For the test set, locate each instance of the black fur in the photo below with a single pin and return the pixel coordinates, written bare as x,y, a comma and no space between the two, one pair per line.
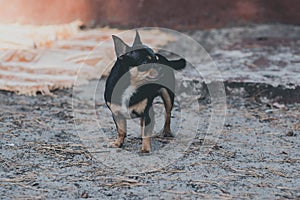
145,60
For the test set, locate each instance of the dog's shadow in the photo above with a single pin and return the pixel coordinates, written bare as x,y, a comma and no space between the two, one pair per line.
158,142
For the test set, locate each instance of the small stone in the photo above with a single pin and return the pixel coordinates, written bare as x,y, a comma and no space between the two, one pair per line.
84,195
279,106
35,184
290,134
77,185
269,111
228,125
216,147
118,150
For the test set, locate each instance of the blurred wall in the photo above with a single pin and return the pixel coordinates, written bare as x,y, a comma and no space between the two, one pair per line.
178,14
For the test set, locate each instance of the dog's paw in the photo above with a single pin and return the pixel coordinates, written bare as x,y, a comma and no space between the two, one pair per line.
144,152
167,134
115,144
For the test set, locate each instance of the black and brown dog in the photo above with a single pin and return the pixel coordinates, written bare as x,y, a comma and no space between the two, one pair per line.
137,77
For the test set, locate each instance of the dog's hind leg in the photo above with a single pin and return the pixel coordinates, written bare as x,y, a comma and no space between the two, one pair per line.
147,125
121,129
168,98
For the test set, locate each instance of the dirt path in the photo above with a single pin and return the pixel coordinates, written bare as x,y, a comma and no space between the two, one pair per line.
44,154
257,156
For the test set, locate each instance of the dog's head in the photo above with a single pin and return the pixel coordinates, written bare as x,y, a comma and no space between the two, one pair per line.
144,65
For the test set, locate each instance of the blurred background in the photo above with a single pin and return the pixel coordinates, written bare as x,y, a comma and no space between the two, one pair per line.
43,43
175,14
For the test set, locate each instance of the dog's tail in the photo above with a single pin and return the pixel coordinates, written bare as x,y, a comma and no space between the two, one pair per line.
175,64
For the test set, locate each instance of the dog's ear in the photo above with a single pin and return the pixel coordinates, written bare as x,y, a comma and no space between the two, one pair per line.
175,64
120,47
137,40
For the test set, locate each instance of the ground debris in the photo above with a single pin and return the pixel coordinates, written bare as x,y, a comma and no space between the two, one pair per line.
122,182
62,150
255,156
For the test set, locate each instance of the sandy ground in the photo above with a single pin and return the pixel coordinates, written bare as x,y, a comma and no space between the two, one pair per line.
46,143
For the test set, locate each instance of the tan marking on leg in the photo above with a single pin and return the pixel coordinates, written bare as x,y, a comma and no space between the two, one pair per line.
147,133
168,106
146,141
146,145
121,129
116,109
139,107
126,112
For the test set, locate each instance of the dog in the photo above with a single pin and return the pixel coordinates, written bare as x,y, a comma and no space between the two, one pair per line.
137,77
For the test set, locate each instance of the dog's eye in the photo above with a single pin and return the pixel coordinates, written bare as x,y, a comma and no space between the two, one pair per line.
149,57
156,57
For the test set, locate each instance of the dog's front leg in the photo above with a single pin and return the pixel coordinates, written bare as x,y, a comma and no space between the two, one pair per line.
121,129
147,125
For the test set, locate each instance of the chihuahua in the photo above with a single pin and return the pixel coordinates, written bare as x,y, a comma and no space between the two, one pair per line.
137,77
